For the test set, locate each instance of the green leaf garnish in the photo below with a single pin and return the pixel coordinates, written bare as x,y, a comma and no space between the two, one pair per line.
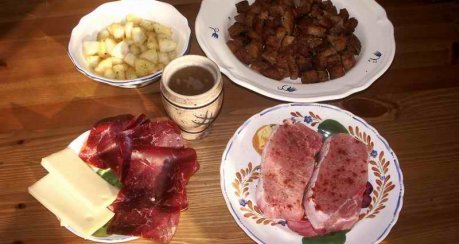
110,177
333,238
102,231
329,127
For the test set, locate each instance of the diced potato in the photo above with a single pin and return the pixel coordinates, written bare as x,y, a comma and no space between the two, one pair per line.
130,74
93,61
103,35
160,36
138,36
172,55
128,29
108,73
121,75
159,28
109,44
131,48
130,59
104,65
153,44
134,19
160,66
116,60
120,50
90,47
134,50
166,45
143,48
102,52
147,24
119,70
143,67
163,58
150,55
150,36
122,66
129,41
116,30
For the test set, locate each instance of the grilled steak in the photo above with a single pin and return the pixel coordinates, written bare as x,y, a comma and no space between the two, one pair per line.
333,200
286,168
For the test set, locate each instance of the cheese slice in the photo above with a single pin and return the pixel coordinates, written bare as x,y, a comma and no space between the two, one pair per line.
60,200
90,189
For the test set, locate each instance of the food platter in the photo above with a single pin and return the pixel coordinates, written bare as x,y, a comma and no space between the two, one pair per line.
76,146
374,30
240,168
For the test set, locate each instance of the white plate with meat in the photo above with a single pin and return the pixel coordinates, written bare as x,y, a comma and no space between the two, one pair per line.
374,30
152,182
305,172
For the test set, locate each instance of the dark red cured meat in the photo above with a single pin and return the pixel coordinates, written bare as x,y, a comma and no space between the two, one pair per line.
110,141
155,182
152,223
153,166
159,133
101,137
157,177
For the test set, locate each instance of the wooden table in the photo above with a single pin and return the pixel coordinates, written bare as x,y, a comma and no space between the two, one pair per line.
45,103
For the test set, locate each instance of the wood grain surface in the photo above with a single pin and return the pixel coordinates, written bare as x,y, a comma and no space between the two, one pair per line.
45,103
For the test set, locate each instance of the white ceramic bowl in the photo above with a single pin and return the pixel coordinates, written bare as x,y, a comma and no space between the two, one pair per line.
374,30
113,12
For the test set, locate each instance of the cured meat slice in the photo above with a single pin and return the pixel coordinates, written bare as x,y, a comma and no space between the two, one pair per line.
101,139
153,192
152,223
287,165
153,166
157,177
159,133
334,198
110,141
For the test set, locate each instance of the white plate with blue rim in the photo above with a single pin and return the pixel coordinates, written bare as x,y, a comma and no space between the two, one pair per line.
374,31
240,169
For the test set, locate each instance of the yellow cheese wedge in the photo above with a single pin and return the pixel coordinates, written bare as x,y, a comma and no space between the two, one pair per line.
90,189
59,199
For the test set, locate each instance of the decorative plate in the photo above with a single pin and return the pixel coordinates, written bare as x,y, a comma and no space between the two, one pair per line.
374,30
76,146
240,169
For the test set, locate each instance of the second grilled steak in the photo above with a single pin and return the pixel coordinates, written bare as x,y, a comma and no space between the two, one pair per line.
333,200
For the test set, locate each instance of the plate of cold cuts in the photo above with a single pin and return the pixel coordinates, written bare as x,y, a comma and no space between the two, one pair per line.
298,51
311,173
150,164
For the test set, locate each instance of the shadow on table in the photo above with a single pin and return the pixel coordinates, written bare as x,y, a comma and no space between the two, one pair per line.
12,14
105,101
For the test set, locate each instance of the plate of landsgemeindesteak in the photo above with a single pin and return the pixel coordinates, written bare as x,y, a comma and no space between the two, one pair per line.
311,173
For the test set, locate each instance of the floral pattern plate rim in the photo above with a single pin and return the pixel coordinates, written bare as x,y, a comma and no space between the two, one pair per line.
374,30
239,172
